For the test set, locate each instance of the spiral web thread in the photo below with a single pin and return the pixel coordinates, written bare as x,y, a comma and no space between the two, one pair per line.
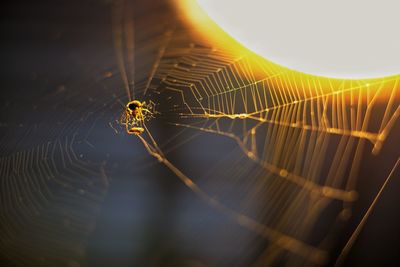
306,134
50,190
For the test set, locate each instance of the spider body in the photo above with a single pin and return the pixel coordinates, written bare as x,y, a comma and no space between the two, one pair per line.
134,116
135,130
134,108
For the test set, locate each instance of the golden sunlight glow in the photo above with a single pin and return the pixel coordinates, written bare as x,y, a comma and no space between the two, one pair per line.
350,39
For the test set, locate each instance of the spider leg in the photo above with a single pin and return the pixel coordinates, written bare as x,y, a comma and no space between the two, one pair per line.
122,118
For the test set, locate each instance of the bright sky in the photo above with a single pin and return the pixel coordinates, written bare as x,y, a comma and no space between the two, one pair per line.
333,38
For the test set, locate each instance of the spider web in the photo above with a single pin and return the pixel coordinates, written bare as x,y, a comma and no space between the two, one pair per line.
287,146
301,138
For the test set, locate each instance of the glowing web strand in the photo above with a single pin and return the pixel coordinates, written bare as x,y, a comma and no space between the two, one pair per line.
357,231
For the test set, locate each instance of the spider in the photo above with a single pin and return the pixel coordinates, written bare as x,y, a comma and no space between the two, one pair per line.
134,115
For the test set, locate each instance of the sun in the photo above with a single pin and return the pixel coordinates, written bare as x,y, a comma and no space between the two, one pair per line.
347,39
